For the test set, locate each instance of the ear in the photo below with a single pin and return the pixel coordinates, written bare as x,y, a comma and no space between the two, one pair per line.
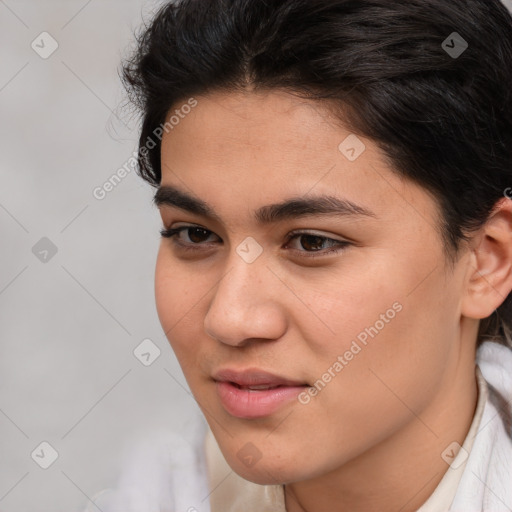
489,277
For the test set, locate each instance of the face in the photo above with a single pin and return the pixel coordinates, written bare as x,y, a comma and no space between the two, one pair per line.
337,308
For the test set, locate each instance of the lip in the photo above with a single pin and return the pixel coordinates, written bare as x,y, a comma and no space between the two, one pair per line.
254,377
232,390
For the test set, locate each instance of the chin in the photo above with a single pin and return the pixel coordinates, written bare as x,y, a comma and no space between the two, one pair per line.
267,472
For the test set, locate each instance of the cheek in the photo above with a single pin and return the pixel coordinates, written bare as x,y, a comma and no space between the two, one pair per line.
165,292
175,304
349,307
392,334
177,288
405,357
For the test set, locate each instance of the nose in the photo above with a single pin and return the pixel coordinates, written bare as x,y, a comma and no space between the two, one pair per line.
246,306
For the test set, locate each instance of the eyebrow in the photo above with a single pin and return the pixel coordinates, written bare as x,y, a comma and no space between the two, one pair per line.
292,208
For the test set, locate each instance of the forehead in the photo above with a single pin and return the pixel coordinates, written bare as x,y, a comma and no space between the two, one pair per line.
253,119
251,149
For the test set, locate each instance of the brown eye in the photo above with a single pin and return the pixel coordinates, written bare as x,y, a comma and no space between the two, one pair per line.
313,243
195,234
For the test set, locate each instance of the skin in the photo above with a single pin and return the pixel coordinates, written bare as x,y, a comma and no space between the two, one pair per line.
372,439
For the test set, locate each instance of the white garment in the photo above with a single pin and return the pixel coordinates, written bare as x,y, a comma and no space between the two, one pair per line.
486,484
165,472
169,474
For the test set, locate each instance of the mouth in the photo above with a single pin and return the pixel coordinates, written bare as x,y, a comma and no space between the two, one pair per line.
254,393
256,388
254,378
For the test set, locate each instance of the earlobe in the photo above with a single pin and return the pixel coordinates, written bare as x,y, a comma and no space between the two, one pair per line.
489,278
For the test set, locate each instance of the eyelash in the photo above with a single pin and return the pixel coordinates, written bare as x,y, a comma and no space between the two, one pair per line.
171,233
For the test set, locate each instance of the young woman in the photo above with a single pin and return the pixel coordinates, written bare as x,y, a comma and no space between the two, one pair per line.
335,269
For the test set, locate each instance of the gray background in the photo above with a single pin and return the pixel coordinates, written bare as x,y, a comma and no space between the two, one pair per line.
70,321
69,325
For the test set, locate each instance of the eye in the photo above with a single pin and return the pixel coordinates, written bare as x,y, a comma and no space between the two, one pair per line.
312,242
197,233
